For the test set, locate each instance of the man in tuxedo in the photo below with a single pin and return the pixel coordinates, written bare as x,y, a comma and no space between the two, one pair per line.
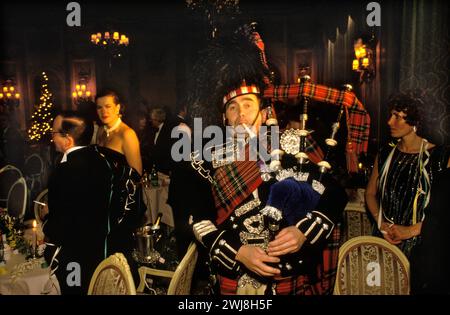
181,116
78,200
160,155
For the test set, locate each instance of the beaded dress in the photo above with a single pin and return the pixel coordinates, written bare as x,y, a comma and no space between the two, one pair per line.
402,184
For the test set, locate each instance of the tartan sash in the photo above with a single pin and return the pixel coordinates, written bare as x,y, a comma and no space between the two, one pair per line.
233,183
358,120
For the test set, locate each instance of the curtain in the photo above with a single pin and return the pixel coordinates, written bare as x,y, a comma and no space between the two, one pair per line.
415,34
424,61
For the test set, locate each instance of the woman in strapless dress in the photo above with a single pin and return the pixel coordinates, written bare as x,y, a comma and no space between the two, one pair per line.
115,134
120,146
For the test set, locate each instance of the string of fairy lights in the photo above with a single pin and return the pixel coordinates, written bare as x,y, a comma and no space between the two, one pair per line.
41,118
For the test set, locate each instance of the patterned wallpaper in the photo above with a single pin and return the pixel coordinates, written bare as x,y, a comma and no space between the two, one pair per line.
425,62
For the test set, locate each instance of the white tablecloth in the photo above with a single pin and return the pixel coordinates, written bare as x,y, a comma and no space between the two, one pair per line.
155,199
356,200
27,277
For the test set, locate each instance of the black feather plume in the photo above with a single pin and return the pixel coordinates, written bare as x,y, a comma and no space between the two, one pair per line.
221,68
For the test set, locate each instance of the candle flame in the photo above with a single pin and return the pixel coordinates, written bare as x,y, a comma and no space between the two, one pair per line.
34,223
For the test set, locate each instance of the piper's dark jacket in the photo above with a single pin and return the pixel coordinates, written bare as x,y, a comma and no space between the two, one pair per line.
224,240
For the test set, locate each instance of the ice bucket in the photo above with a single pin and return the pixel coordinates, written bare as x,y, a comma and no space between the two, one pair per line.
146,238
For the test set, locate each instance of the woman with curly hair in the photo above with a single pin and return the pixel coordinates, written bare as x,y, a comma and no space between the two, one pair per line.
398,191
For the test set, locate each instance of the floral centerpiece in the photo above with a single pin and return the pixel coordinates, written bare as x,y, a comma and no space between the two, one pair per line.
13,229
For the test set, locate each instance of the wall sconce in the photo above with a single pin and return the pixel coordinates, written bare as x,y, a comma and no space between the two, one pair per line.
365,62
9,96
82,92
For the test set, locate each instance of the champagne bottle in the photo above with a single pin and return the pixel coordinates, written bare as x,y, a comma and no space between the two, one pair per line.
154,177
156,225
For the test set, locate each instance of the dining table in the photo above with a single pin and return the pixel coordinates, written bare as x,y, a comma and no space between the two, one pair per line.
155,198
23,274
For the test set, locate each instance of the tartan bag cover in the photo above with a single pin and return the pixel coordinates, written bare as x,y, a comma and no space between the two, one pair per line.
358,120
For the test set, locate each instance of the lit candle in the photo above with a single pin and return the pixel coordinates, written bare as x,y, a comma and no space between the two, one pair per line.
365,62
362,51
34,238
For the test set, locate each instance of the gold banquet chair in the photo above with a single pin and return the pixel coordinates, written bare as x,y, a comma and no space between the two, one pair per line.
181,278
42,198
9,174
356,220
112,277
369,265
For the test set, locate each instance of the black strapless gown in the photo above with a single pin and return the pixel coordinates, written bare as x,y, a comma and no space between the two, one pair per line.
127,211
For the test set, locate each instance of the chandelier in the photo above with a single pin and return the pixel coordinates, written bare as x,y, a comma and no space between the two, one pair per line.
364,62
112,42
9,96
213,11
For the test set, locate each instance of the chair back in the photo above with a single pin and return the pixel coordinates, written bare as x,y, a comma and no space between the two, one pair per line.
8,176
112,277
17,199
182,278
356,218
356,223
369,265
34,169
43,198
34,165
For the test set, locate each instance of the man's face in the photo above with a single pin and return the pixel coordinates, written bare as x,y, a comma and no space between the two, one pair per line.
154,120
58,138
142,122
244,111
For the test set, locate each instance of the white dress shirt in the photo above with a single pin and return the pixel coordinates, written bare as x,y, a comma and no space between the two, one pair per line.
64,158
157,133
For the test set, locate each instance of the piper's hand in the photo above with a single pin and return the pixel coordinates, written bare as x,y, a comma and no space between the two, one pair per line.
254,259
289,240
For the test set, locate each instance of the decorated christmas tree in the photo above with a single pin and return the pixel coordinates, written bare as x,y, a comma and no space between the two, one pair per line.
41,121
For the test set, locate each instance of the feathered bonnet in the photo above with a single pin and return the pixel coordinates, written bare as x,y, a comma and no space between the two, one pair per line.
230,66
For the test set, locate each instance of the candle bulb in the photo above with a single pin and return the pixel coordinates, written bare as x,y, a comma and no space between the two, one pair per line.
34,238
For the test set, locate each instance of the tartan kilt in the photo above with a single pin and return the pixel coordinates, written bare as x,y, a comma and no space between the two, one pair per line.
320,284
